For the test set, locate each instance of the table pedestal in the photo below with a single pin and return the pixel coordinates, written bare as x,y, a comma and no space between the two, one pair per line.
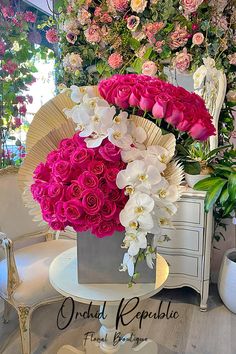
109,340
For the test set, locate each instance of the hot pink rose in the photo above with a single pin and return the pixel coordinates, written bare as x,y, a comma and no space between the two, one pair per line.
81,156
105,228
73,210
108,210
93,219
39,190
121,96
42,172
57,225
147,101
55,190
110,152
110,176
92,201
52,157
97,167
103,185
88,180
47,205
198,38
60,211
61,170
199,131
74,191
174,112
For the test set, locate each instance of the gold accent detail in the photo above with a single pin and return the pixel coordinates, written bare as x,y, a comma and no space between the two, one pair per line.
143,178
139,210
23,314
129,190
133,224
116,135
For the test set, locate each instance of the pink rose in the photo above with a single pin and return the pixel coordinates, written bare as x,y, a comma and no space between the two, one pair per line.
57,225
106,88
200,131
88,180
42,172
52,35
92,34
149,68
121,96
115,60
97,167
135,96
73,210
191,5
2,48
198,38
174,112
74,191
159,108
182,60
110,176
60,211
81,156
147,102
108,209
39,190
55,190
93,219
61,170
92,201
47,205
110,152
103,185
115,195
67,143
29,16
52,157
105,228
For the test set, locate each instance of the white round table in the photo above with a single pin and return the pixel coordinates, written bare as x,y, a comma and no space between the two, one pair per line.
63,277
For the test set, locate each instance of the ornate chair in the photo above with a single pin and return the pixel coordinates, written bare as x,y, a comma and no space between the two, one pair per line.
24,280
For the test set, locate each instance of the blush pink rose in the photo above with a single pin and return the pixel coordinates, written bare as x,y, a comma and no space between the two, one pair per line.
149,68
92,34
115,60
110,152
182,60
92,201
105,228
88,180
52,35
191,5
198,38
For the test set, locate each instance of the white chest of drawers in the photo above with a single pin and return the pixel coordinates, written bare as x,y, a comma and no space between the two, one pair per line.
187,248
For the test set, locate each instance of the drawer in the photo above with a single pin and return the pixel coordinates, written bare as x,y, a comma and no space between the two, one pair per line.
182,239
183,265
190,212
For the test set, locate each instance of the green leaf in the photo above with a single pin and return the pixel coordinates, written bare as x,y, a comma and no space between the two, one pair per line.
229,208
232,186
137,65
224,195
207,183
148,53
214,152
134,43
192,168
213,194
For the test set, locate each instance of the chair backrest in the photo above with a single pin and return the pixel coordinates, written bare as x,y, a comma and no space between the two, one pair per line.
209,83
15,220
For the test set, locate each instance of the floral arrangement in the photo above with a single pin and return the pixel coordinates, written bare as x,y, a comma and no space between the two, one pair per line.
116,172
185,111
17,51
123,36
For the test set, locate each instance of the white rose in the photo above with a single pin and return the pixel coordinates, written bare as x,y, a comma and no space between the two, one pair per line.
149,68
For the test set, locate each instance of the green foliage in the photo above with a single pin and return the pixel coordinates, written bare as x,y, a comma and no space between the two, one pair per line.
221,188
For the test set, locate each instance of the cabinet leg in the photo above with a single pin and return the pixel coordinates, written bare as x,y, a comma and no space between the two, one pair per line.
204,296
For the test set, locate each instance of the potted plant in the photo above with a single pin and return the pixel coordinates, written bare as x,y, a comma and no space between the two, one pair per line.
197,159
221,193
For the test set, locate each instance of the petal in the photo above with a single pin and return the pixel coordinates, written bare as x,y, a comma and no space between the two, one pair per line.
133,248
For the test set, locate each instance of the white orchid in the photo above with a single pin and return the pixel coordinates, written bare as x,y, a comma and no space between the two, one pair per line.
134,240
150,255
77,93
165,192
139,176
128,264
139,136
137,212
